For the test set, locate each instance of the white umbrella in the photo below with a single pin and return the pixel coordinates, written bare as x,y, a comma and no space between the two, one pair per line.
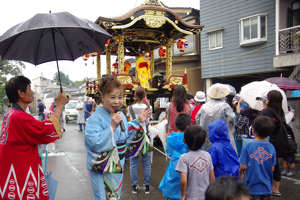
255,89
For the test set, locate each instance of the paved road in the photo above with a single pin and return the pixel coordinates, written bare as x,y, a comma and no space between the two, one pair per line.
69,167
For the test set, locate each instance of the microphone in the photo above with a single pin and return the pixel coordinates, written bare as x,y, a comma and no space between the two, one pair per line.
121,123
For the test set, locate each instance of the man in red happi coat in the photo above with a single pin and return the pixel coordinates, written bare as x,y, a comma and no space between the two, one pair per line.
21,173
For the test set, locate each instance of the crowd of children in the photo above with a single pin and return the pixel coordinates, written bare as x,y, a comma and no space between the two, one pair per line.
192,171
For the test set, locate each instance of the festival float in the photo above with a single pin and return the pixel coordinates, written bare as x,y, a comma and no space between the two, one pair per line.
138,33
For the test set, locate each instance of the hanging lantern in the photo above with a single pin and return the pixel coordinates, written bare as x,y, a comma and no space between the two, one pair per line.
107,42
182,44
85,58
93,55
162,52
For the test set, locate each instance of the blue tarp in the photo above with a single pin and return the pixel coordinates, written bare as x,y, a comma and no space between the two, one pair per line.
296,93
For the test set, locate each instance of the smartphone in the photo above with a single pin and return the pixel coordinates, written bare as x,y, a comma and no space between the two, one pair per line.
263,99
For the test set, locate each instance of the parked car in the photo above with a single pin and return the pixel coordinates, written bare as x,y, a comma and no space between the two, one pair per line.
70,111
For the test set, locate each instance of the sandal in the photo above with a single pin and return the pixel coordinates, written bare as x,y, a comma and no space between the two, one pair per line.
277,194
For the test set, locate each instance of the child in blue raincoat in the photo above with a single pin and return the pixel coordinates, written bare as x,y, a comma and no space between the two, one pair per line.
224,157
175,147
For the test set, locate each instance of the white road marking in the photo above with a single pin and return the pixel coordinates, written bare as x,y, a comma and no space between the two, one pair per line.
297,182
55,154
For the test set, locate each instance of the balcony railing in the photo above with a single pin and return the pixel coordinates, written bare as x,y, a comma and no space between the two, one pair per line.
289,39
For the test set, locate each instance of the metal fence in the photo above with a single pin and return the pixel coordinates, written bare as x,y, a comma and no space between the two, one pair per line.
289,39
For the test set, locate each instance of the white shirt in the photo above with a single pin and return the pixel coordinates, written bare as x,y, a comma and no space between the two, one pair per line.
136,109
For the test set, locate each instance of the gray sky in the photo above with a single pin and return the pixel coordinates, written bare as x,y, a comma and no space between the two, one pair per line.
17,11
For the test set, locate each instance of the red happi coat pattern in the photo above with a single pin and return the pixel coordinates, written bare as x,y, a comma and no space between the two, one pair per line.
21,173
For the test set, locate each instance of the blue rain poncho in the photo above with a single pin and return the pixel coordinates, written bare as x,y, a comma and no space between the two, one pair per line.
224,157
170,184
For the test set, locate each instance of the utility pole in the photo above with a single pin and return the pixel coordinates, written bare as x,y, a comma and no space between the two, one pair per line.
35,98
42,87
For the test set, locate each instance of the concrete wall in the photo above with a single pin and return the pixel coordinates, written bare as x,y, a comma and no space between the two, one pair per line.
226,14
287,60
295,103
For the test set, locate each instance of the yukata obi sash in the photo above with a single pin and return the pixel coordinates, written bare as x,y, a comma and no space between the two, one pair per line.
140,142
109,161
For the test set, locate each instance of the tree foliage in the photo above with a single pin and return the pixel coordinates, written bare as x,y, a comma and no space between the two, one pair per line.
8,68
79,83
65,79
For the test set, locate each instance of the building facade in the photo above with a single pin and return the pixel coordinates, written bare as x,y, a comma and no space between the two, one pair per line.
241,41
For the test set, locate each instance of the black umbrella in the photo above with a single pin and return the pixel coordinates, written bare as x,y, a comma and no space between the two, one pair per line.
189,95
52,36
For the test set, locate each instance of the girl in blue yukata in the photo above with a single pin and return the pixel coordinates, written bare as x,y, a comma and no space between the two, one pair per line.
103,132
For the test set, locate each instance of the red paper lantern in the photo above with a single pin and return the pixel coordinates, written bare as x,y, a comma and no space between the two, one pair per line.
107,42
162,52
182,44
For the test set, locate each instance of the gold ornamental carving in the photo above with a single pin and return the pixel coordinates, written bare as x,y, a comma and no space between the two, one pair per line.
193,30
121,55
169,58
145,34
98,67
154,22
152,64
153,2
176,80
107,24
125,79
108,54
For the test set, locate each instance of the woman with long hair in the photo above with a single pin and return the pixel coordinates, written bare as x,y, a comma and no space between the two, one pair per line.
274,101
178,105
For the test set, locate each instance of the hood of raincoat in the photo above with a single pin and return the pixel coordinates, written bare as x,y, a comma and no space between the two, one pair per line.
218,131
176,141
213,106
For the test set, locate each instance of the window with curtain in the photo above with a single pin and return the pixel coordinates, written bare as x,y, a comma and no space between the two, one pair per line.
215,40
253,29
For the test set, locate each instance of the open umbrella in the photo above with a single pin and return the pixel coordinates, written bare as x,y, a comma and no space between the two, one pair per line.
284,83
232,90
51,37
189,95
255,89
